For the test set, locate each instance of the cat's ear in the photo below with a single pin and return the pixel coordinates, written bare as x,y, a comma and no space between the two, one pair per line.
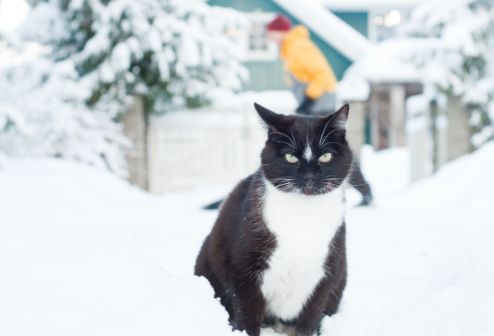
273,120
339,119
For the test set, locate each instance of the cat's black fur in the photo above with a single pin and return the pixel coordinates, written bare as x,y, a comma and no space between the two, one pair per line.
237,251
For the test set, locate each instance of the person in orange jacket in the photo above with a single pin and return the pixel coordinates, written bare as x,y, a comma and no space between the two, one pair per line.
312,79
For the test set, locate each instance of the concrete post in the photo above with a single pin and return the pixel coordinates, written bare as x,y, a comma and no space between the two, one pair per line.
135,128
356,126
374,106
419,137
397,136
439,131
458,129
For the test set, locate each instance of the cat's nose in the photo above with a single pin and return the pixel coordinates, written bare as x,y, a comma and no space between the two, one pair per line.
309,176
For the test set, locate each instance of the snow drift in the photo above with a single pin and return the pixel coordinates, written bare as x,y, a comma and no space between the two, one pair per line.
83,253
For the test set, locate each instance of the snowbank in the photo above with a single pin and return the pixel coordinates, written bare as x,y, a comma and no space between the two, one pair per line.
83,253
421,263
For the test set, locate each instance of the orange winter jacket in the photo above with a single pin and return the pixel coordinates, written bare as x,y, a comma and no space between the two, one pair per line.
306,63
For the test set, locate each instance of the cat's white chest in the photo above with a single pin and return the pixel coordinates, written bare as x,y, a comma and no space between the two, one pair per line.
304,227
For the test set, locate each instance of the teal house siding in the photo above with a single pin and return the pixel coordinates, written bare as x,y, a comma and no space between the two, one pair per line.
357,20
269,75
265,76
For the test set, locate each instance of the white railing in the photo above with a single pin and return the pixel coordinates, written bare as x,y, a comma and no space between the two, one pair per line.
191,148
220,144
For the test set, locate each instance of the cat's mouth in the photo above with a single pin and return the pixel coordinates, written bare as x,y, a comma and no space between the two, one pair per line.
312,190
309,190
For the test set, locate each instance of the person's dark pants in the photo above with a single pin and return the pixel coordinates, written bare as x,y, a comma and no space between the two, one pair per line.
358,181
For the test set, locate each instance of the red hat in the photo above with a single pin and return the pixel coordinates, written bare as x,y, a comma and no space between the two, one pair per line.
280,23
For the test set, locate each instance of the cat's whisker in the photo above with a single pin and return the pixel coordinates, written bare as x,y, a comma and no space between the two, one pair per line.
323,141
286,143
322,134
286,186
332,143
291,139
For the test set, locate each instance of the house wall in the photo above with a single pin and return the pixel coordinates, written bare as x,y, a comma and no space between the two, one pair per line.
269,75
359,20
265,76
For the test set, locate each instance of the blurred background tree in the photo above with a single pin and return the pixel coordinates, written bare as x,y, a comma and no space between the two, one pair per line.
70,71
462,64
170,52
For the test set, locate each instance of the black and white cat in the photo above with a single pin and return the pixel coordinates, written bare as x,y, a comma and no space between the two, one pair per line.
276,254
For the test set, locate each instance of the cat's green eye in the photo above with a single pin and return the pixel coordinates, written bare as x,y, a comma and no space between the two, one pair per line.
291,158
325,158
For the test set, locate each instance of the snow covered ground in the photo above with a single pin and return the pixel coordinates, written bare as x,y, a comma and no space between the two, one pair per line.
82,253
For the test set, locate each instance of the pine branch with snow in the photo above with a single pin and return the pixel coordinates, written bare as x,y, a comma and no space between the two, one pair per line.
170,52
42,113
64,99
461,64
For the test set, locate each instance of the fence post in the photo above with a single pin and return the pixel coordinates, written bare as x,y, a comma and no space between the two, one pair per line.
135,129
419,137
378,117
356,126
397,116
458,129
439,131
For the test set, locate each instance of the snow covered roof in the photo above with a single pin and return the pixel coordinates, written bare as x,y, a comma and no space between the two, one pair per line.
367,4
389,62
329,27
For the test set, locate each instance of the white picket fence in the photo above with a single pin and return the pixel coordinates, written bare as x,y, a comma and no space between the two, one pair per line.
192,148
221,145
437,133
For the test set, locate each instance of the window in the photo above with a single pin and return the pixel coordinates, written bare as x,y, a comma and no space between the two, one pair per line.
384,23
257,46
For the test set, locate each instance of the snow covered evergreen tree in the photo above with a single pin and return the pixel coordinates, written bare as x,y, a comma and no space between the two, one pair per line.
91,56
43,113
462,64
171,52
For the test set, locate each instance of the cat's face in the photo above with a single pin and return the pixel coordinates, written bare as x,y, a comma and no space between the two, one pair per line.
308,155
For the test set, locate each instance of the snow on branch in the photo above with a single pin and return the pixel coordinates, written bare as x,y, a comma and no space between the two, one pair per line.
70,70
171,52
42,113
462,63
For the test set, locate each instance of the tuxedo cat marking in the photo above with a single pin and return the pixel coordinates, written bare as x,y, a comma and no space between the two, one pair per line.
276,254
297,264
